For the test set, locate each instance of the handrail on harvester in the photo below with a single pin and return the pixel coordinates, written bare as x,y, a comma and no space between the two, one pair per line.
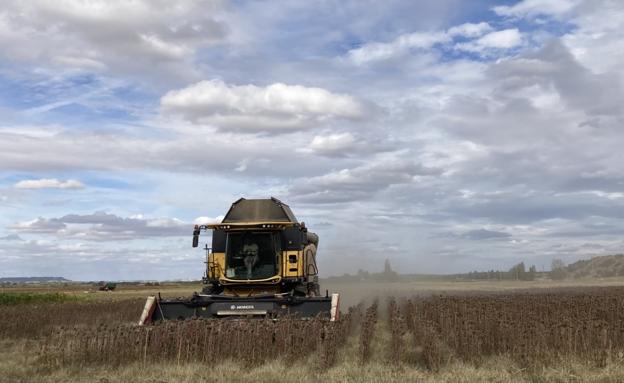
274,279
246,225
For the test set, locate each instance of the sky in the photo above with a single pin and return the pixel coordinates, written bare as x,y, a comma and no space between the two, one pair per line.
446,136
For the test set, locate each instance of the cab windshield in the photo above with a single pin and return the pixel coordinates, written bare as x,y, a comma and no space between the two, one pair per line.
251,255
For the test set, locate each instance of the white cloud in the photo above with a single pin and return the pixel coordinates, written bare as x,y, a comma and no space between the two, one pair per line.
101,226
249,107
403,44
346,144
360,182
382,51
164,222
85,63
596,37
137,37
470,29
505,39
332,142
526,8
164,48
11,237
207,220
597,41
38,225
49,183
242,165
190,152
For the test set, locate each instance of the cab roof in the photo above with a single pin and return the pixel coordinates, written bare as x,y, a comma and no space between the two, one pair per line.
259,210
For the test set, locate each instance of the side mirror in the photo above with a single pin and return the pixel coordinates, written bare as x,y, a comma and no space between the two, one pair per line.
196,237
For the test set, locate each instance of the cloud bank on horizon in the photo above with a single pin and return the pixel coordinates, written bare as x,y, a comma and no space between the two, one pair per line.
446,136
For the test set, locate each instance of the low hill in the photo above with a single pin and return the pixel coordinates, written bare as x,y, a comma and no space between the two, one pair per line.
597,267
33,280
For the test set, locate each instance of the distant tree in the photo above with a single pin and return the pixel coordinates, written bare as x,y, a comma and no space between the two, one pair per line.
521,270
517,272
531,274
557,264
558,269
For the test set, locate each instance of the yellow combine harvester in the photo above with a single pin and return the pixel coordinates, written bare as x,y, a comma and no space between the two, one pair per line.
262,263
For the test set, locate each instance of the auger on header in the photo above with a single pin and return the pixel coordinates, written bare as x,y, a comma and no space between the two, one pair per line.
262,263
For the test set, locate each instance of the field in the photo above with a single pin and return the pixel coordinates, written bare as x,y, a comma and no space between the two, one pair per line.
403,332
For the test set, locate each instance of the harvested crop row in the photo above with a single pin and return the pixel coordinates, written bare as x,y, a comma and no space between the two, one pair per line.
367,332
397,329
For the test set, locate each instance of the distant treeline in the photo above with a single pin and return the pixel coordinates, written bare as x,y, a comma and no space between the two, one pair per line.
518,272
387,275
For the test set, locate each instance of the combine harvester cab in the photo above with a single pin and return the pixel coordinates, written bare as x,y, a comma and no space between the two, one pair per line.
262,263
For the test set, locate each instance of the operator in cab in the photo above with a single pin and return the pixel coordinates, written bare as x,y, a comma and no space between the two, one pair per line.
251,256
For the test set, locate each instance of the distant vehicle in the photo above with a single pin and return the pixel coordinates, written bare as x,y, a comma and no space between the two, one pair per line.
107,286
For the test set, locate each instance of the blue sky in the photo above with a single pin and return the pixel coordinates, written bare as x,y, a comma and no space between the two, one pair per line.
446,136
